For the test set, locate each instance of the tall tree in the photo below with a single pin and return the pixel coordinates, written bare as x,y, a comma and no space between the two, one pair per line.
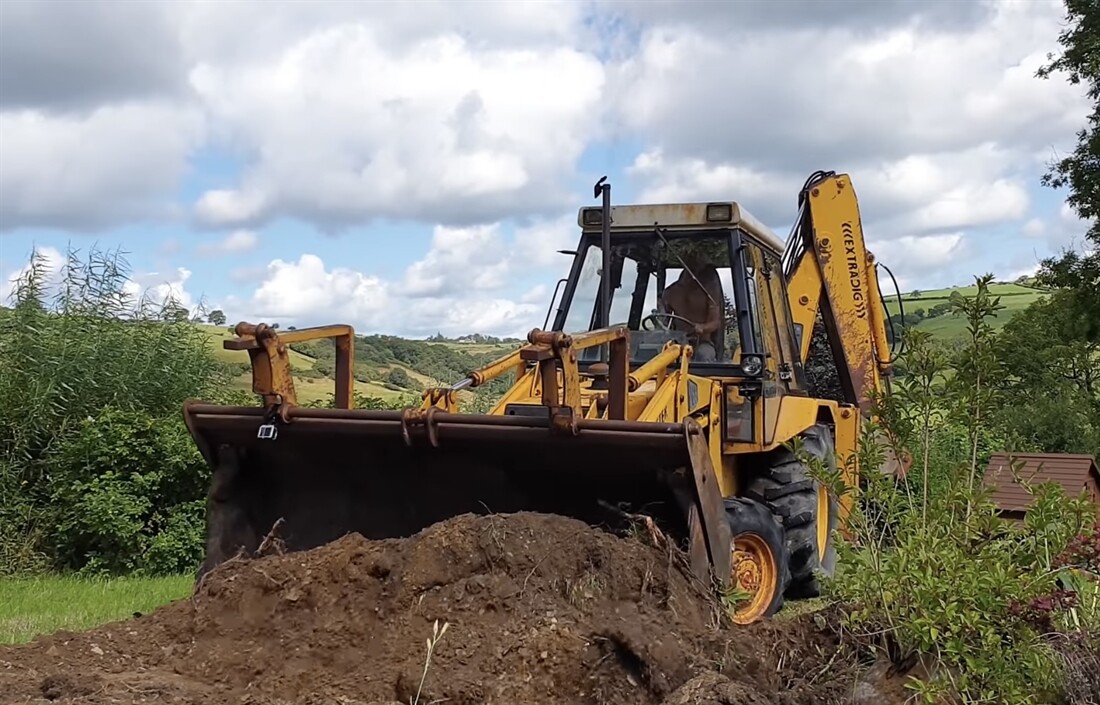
1080,171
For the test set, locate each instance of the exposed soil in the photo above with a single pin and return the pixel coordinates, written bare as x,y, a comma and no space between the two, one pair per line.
539,609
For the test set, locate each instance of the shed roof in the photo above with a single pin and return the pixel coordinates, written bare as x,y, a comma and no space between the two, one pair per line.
1074,472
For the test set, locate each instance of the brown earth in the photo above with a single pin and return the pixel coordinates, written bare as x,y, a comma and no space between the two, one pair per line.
538,609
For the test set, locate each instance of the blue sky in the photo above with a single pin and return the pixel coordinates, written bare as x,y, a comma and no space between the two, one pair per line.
411,168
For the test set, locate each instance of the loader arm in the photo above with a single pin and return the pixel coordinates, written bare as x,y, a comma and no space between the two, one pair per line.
831,271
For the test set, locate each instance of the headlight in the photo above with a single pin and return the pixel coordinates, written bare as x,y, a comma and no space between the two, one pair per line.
751,365
592,216
719,212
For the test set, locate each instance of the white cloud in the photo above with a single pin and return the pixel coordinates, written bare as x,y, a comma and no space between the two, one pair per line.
537,244
920,253
114,165
845,95
459,259
157,290
299,290
309,292
464,114
236,242
72,56
938,122
50,263
346,129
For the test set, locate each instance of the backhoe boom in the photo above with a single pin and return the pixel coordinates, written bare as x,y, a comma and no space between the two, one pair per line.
832,272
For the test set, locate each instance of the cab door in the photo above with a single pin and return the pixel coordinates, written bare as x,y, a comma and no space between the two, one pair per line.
771,320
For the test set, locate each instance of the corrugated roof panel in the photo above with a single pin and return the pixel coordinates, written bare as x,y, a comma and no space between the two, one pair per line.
1074,472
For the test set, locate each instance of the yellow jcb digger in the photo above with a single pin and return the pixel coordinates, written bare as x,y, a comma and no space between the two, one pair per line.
671,380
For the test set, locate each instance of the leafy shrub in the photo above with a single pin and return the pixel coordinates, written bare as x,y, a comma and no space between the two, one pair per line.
92,441
932,572
119,479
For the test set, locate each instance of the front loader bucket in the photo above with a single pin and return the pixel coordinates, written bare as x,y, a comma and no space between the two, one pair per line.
385,474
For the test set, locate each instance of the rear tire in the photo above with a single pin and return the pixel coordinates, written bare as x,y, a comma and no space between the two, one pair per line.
759,564
803,506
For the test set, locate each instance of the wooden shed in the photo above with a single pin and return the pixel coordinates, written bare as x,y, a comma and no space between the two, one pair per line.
1074,472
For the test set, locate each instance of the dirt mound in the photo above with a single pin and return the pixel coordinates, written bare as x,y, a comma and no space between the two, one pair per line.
538,609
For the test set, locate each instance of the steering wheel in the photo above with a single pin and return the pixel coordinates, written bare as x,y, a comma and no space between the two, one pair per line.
654,316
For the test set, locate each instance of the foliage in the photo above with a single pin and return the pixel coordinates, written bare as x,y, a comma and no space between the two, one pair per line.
967,627
1050,379
362,401
1079,61
94,459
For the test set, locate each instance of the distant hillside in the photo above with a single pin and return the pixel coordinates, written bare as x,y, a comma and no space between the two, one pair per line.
930,310
392,369
386,367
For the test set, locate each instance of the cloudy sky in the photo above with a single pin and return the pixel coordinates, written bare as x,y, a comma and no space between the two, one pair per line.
412,167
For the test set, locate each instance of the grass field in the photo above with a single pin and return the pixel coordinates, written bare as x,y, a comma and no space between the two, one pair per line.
309,389
33,606
1014,298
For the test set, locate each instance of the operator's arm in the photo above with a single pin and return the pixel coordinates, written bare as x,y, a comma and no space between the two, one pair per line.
713,320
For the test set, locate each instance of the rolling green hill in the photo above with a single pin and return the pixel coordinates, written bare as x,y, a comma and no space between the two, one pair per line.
392,369
386,367
932,306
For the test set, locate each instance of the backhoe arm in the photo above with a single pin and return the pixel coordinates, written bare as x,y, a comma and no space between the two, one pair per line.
830,270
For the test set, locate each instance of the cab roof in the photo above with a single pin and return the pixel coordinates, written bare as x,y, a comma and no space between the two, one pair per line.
715,215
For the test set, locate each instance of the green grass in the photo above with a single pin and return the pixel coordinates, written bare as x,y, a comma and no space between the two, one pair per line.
1014,298
30,607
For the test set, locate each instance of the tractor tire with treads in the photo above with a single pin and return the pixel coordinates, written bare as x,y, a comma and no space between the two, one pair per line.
759,565
789,491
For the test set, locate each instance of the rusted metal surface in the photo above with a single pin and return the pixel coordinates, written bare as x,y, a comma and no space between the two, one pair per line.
618,378
684,216
444,398
712,509
345,375
272,375
698,552
554,339
387,473
249,333
420,417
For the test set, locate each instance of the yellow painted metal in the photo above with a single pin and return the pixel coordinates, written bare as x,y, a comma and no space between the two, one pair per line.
878,319
658,364
847,430
822,523
662,405
272,375
754,573
842,259
496,368
804,291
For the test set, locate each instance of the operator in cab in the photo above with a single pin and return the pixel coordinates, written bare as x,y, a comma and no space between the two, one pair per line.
697,296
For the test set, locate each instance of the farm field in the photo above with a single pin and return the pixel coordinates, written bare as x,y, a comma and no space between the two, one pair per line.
1014,298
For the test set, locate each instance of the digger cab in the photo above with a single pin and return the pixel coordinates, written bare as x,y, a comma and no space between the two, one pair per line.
688,257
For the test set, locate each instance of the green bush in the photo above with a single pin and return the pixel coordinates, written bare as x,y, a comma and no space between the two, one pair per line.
119,479
94,456
932,572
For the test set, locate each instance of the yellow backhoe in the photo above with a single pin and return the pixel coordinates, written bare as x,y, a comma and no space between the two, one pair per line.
669,385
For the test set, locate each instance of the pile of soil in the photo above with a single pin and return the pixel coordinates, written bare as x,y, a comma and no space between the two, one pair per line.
539,609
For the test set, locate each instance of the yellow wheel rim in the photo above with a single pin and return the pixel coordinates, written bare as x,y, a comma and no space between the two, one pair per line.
822,521
753,573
